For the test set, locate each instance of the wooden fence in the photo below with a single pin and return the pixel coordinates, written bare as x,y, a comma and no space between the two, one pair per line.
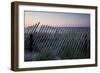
52,43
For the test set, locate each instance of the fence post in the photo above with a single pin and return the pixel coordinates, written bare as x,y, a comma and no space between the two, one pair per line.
31,40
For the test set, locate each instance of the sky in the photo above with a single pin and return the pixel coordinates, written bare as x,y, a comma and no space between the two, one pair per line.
57,19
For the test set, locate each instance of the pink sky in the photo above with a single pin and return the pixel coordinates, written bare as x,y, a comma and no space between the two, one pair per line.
57,19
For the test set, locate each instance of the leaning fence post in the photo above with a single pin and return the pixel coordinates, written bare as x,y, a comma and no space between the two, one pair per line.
31,40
